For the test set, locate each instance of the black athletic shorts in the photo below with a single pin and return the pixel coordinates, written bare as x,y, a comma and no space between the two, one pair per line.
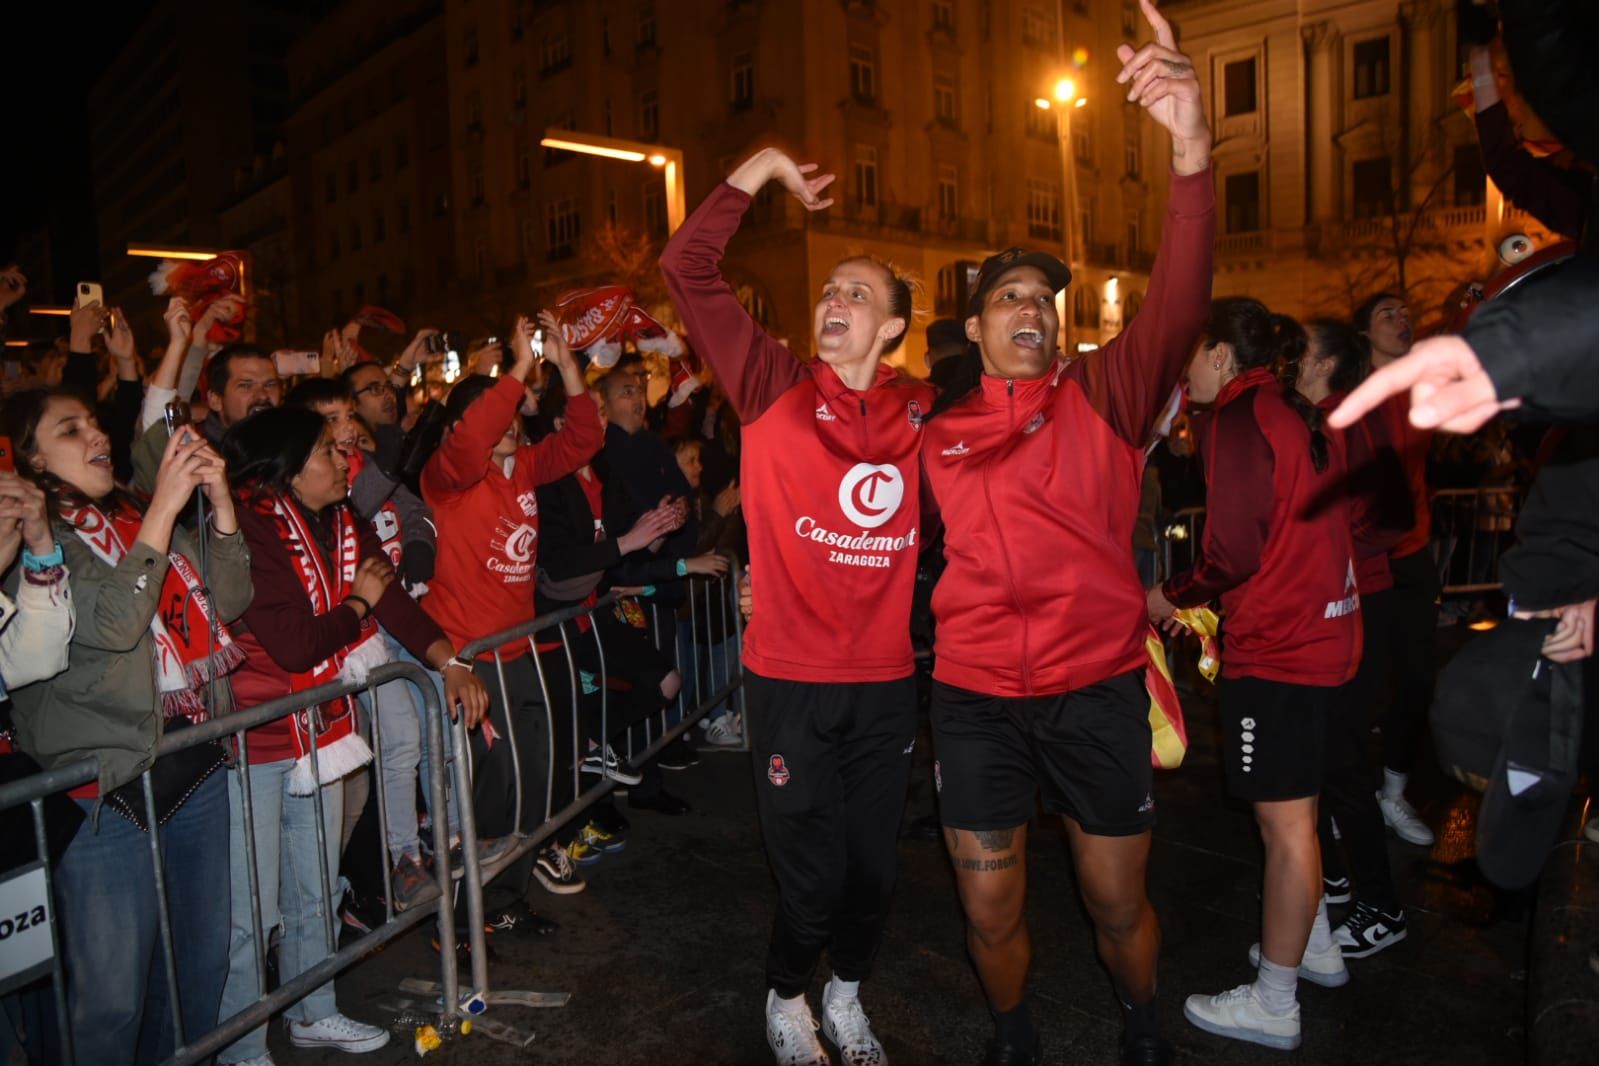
1087,752
1273,737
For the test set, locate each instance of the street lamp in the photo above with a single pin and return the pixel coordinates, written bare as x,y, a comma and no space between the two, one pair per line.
1065,92
148,250
668,160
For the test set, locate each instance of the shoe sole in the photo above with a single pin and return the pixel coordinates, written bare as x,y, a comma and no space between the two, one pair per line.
616,775
1335,900
674,768
1248,1036
560,888
357,1048
1315,977
1366,951
844,1056
587,860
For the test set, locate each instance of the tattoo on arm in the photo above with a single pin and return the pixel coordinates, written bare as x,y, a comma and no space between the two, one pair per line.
1004,862
994,839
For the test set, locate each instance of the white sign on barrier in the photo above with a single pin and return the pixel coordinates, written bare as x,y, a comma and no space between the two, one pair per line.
25,952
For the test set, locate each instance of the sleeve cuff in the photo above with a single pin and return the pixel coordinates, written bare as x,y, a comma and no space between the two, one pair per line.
1192,194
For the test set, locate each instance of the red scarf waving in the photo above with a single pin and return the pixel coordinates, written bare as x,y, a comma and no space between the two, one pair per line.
340,748
186,655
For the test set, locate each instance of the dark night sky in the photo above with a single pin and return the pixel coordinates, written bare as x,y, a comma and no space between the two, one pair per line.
45,165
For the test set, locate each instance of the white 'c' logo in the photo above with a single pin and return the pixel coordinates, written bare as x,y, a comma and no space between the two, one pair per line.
869,495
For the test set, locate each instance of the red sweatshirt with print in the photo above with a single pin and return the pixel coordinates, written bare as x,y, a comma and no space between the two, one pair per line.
1037,483
1277,548
829,477
488,516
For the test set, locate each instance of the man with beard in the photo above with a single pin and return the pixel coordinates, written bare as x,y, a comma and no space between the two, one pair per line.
240,380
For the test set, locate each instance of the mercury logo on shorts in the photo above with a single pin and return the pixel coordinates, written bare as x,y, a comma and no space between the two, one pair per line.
776,772
1247,736
870,494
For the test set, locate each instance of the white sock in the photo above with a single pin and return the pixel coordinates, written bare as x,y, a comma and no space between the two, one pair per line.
1320,931
797,1005
1275,986
842,991
1393,784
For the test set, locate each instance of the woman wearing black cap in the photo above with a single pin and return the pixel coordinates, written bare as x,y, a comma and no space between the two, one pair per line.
1038,685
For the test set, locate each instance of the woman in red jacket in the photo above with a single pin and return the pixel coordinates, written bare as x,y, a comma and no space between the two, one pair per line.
830,476
1278,552
1036,464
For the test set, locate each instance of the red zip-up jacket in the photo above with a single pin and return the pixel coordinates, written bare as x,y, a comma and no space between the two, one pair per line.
488,519
1038,482
830,479
1411,445
1277,548
1379,495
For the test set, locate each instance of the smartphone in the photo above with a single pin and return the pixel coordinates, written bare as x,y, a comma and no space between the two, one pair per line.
538,343
177,413
89,292
7,463
294,364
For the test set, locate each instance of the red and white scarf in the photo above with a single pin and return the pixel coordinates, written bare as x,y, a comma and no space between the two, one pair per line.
340,748
185,654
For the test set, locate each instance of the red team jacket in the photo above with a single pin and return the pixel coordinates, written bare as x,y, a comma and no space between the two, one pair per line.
489,521
1380,504
1277,547
830,479
1038,482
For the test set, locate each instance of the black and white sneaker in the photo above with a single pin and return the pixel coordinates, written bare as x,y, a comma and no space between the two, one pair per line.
555,871
1368,931
1336,889
611,766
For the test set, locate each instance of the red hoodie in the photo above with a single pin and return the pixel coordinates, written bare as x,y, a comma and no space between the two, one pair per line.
1277,547
489,520
1411,445
830,479
1379,495
1038,486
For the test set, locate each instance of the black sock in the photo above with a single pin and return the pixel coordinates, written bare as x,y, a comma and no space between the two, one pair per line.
1015,1026
1140,1020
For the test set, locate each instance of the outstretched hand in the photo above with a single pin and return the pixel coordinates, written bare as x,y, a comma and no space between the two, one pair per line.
1449,389
1163,81
800,179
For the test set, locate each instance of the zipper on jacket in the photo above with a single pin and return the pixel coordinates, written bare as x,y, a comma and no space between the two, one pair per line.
1010,574
866,430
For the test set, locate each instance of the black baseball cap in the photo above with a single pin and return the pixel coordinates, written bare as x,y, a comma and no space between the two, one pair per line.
997,266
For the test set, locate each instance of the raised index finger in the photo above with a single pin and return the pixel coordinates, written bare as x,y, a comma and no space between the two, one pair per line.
1391,380
1158,23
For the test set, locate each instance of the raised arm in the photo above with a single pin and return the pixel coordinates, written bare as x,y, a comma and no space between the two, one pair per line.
753,368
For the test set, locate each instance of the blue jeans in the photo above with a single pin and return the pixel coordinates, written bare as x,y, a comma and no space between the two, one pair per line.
111,926
424,767
291,894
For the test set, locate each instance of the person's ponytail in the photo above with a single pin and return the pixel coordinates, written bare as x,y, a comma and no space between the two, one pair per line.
1288,345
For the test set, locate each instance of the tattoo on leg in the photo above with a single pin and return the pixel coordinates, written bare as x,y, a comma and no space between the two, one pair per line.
994,839
1004,862
951,839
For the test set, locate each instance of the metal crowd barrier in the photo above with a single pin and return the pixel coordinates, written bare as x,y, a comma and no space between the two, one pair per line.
195,1047
1471,530
1179,541
658,731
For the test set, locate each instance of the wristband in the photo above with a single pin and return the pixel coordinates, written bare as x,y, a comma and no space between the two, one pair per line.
36,563
457,660
365,606
682,568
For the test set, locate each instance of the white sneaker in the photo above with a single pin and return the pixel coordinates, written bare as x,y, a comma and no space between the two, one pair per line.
1590,829
1239,1014
1401,818
1326,968
844,1023
339,1033
792,1036
722,734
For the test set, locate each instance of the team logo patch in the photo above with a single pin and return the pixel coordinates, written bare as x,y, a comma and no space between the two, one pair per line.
1032,427
913,411
958,448
938,776
870,494
1148,804
776,771
825,415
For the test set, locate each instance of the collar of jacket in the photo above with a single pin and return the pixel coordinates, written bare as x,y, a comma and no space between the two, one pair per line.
1249,379
831,386
1023,392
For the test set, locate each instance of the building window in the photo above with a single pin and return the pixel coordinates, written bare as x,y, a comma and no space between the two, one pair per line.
375,167
333,187
610,207
402,153
1134,235
948,194
1242,192
474,111
355,236
469,46
1470,178
865,175
561,227
383,288
1133,158
1038,28
1129,22
519,89
654,209
1373,182
1083,144
863,74
649,115
477,187
1043,210
530,236
333,243
646,26
380,228
405,216
944,100
524,168
944,15
1086,210
1132,303
741,88
1085,306
556,54
1238,87
1040,123
352,176
945,298
1371,68
359,292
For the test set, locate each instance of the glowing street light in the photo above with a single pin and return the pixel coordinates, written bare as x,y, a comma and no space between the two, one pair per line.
170,251
669,160
1066,91
1041,103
